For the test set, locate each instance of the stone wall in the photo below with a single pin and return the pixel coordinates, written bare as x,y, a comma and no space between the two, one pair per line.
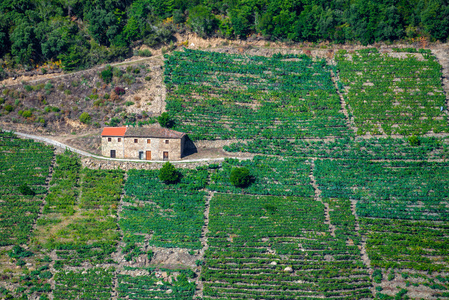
100,164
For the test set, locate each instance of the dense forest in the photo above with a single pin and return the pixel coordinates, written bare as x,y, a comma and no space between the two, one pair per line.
82,33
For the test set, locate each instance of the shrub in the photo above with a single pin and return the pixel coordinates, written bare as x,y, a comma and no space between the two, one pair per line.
147,78
165,120
26,190
2,100
19,252
145,52
27,114
119,91
114,122
240,177
414,141
129,103
106,74
377,276
168,173
106,96
28,88
85,118
48,86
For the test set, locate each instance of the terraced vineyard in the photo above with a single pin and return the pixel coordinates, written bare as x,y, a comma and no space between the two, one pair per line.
358,148
278,248
398,190
220,96
393,95
335,216
22,163
171,214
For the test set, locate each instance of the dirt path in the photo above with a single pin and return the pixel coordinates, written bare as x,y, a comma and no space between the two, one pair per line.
199,283
318,198
87,154
18,80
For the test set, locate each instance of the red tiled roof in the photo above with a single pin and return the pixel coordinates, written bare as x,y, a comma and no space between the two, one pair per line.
153,132
113,131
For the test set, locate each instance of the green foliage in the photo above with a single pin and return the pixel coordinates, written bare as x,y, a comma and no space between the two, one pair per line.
94,283
240,177
152,203
21,161
168,173
27,113
240,232
19,252
271,176
82,34
252,97
377,276
165,120
388,99
387,189
147,286
145,53
106,74
8,107
85,118
373,148
404,244
414,141
26,190
202,21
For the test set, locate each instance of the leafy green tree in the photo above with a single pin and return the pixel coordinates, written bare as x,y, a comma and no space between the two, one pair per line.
85,118
202,21
24,46
240,177
26,190
106,75
103,26
56,37
165,120
242,20
168,173
435,19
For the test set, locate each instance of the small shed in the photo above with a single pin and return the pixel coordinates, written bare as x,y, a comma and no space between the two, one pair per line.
146,143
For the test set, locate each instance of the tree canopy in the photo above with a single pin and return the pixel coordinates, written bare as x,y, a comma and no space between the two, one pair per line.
83,33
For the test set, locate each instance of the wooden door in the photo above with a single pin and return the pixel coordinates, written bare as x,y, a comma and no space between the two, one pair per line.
112,153
148,156
165,155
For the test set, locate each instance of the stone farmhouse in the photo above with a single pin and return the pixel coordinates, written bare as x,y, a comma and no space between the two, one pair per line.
142,143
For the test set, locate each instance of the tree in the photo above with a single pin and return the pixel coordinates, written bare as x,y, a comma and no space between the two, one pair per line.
168,173
85,118
240,177
26,190
165,120
202,21
106,74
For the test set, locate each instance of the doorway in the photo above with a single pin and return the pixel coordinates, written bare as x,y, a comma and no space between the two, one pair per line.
140,154
148,155
165,155
112,153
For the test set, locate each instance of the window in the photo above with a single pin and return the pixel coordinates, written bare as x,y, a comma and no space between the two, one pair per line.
119,140
135,140
109,139
148,141
166,141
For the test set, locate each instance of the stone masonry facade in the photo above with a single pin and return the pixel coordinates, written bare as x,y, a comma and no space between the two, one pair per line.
142,143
